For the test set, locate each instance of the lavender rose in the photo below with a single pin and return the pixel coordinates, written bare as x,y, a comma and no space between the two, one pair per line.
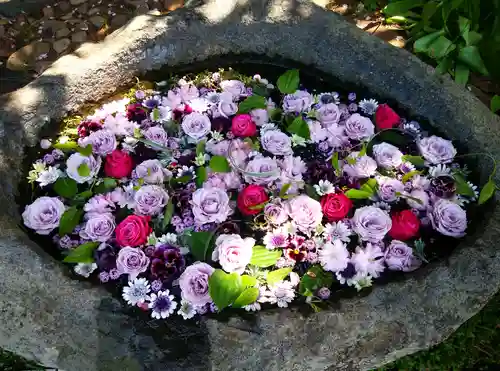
132,261
151,171
103,142
399,257
371,223
448,218
227,109
388,188
305,213
43,215
156,134
336,136
235,87
100,204
297,102
329,114
387,155
194,283
196,125
188,92
78,161
259,116
150,200
233,252
364,167
358,127
275,213
210,205
277,143
99,227
261,170
422,196
436,150
318,132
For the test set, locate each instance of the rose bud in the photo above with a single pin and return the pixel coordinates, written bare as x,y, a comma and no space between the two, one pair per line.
405,225
243,126
118,164
386,118
251,196
335,206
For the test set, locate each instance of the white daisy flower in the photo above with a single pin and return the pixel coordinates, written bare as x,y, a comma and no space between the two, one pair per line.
339,230
85,269
475,190
281,293
167,239
368,106
267,127
217,136
162,304
354,279
137,291
439,170
186,310
324,187
333,256
382,205
49,176
254,307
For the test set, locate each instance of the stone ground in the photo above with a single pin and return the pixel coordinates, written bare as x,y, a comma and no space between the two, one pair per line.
31,41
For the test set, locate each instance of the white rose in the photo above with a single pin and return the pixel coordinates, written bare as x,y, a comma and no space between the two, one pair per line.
387,155
196,125
233,252
76,160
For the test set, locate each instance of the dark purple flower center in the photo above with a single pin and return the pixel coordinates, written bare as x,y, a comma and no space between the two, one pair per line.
162,304
349,272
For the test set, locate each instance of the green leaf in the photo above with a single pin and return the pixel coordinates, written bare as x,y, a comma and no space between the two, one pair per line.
410,175
156,114
444,65
288,83
311,192
415,160
335,163
487,192
259,206
400,7
422,45
252,102
299,127
66,187
473,38
169,211
362,152
495,103
262,257
199,244
85,151
440,47
370,185
462,187
461,74
428,11
82,197
200,147
357,194
249,296
83,169
68,146
276,114
82,254
201,176
464,27
182,180
219,164
277,275
284,190
106,185
471,57
224,288
248,281
314,279
69,220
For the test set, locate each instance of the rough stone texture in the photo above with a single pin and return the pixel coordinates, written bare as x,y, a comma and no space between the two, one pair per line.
48,317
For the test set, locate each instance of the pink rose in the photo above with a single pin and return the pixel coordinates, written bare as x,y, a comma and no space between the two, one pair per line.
243,126
233,252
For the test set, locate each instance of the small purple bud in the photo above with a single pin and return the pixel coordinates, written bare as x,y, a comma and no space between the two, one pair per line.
324,293
139,94
351,97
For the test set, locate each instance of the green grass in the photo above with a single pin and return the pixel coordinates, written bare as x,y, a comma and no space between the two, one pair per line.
474,346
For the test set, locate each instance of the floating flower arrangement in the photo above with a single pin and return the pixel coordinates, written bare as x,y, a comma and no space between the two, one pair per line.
208,195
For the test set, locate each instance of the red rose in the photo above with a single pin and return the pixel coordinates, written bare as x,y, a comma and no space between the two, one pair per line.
133,231
386,118
243,126
335,206
405,225
252,195
118,164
